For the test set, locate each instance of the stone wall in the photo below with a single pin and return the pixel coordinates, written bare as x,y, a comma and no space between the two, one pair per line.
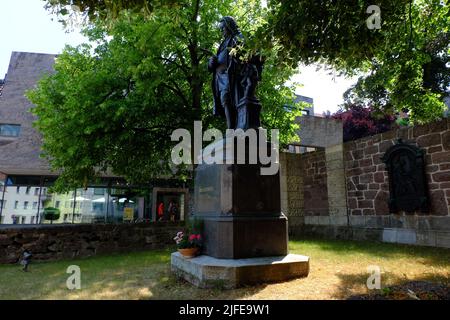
291,184
356,190
367,178
315,189
303,186
56,242
319,131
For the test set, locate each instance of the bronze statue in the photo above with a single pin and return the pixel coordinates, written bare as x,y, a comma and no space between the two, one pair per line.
234,81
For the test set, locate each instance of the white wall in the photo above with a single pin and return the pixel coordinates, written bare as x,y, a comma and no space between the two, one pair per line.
10,198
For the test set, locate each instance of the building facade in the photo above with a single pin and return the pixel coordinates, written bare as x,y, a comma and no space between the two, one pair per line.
25,177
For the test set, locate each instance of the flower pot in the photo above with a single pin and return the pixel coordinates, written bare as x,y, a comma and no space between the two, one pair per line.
189,252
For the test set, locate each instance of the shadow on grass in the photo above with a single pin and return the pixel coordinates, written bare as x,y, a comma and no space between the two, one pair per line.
355,285
170,286
147,275
431,255
47,280
136,275
156,282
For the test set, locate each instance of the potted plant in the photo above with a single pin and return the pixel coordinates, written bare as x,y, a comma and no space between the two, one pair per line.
189,244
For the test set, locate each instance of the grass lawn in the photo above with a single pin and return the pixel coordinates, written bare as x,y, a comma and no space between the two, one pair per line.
338,270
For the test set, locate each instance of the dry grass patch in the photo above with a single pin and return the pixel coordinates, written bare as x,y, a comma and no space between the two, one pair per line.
338,271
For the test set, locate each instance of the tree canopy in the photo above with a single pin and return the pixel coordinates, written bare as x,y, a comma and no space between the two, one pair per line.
114,107
406,61
103,9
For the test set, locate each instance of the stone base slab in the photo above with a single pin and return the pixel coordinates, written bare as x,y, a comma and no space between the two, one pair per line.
420,237
208,272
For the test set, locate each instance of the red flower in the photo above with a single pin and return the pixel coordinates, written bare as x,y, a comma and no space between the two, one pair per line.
192,237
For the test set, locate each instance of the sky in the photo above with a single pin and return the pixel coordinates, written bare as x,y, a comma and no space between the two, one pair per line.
27,26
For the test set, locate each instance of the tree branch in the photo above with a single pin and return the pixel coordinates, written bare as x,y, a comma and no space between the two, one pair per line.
183,67
197,9
176,90
188,35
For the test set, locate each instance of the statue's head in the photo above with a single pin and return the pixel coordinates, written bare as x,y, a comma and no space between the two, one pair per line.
228,26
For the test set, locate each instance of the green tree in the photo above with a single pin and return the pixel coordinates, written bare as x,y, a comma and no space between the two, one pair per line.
406,62
103,9
114,107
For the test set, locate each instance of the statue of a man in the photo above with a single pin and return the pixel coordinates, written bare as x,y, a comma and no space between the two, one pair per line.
234,81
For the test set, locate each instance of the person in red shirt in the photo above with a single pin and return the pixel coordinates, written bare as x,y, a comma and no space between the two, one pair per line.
160,211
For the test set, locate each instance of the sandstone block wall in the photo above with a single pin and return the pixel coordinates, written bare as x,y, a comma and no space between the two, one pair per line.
47,242
367,178
344,190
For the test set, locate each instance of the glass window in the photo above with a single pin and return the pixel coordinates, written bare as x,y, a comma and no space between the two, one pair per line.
9,130
24,180
172,204
91,206
98,207
49,181
99,191
128,205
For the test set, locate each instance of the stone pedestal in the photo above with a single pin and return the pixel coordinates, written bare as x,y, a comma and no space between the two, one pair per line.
242,220
208,272
241,211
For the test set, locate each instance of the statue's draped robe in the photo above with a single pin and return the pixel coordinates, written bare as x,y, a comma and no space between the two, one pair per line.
233,67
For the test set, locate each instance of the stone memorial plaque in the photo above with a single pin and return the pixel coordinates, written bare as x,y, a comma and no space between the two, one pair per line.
407,182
